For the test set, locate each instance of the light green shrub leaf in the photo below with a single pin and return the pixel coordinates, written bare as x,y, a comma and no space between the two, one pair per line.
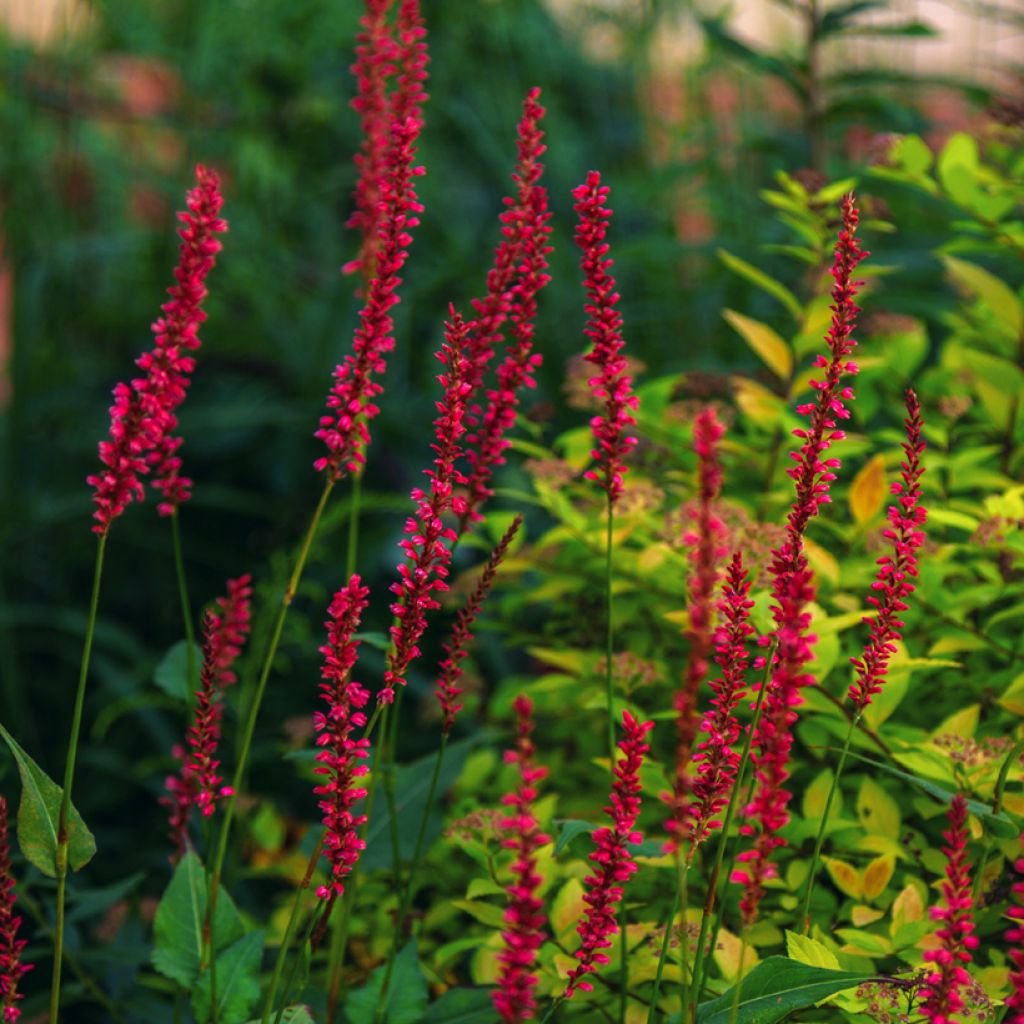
995,293
806,950
877,812
764,341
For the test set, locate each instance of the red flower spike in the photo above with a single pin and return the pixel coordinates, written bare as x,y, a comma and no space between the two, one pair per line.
716,758
198,783
448,690
344,429
792,581
524,916
425,543
524,251
612,384
897,571
941,993
143,417
340,757
1015,945
11,967
612,857
708,549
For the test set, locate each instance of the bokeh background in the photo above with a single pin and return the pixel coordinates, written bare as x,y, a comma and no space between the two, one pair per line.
688,107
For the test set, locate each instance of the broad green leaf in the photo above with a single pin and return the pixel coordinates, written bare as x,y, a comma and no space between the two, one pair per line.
806,950
483,887
407,993
763,281
764,341
570,829
489,914
877,812
293,1015
775,989
238,985
462,1006
994,292
178,928
913,154
171,675
868,490
957,168
39,814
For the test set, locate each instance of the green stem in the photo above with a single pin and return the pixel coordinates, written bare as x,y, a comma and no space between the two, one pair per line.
820,841
684,942
293,918
552,1010
702,963
186,606
353,524
665,943
63,839
254,710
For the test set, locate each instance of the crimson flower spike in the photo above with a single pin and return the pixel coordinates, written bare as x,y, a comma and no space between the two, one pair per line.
379,57
792,582
716,758
198,783
706,539
612,857
143,417
1015,944
455,649
524,916
425,543
11,967
897,571
612,384
941,993
524,252
340,757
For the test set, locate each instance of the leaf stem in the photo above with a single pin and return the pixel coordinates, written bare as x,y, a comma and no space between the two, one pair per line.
63,839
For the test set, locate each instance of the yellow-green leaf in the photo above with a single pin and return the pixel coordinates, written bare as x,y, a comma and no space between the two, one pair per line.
761,280
907,908
845,876
878,874
877,812
806,950
868,490
568,907
995,293
815,795
764,341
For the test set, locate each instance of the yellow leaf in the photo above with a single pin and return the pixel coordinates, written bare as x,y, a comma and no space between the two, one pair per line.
846,877
823,562
756,402
877,812
484,966
652,558
816,794
907,908
862,916
961,723
764,341
568,907
1013,697
878,874
727,955
868,490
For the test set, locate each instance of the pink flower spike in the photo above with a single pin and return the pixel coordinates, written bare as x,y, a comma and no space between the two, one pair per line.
612,857
143,417
524,931
340,758
896,572
1015,944
708,549
11,967
425,544
941,993
198,783
457,646
716,758
518,276
344,429
612,383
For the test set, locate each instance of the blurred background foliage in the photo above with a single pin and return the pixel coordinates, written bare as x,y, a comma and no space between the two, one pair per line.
689,108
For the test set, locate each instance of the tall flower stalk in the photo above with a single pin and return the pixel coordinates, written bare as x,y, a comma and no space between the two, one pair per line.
956,936
792,581
525,920
12,967
893,585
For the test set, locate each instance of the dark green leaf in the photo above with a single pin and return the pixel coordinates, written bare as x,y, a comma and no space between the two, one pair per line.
573,827
293,1015
774,989
171,675
462,1006
407,993
177,952
238,985
39,813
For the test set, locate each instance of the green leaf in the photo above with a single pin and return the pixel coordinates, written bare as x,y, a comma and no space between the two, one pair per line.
39,814
993,291
958,168
570,829
774,989
407,993
877,811
764,341
292,1015
913,154
238,985
462,1006
171,675
761,280
178,927
806,950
